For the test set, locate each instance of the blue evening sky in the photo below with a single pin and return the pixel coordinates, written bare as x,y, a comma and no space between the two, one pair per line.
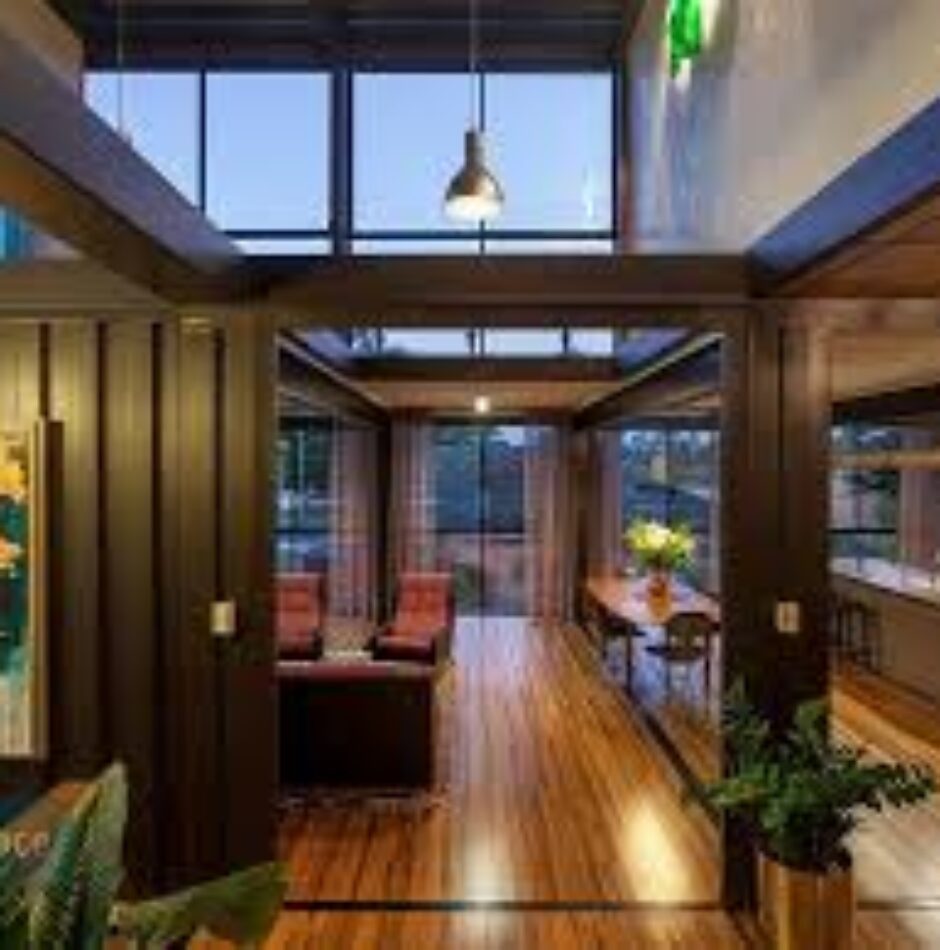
549,139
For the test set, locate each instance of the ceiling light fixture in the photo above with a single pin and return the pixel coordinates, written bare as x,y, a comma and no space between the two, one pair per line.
482,405
474,193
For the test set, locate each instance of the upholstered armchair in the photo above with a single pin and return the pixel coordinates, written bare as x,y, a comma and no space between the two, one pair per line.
301,612
423,625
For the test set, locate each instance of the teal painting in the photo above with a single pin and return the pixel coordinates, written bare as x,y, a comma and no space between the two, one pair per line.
17,635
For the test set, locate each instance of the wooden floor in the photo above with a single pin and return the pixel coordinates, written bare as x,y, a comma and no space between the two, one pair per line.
897,854
550,791
557,825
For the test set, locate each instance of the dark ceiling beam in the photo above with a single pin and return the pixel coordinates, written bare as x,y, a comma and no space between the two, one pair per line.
306,380
579,290
883,184
65,171
488,370
888,407
413,33
680,376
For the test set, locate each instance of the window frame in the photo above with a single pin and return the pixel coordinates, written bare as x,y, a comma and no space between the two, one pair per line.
340,234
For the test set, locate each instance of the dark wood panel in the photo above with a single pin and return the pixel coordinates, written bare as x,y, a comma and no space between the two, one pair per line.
249,697
410,32
75,402
130,577
190,577
889,407
774,462
330,289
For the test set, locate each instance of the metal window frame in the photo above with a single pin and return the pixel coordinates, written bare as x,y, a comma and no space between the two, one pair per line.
339,228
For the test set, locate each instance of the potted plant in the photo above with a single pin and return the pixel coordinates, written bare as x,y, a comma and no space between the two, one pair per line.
68,897
801,796
660,550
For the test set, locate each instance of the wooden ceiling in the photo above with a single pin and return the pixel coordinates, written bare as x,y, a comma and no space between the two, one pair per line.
875,363
898,259
366,31
456,396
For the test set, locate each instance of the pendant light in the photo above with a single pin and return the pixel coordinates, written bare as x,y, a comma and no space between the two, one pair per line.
474,194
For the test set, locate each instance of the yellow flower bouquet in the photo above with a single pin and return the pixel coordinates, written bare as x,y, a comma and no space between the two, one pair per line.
659,547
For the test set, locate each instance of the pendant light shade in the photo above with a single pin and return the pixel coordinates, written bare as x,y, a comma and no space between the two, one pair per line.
474,194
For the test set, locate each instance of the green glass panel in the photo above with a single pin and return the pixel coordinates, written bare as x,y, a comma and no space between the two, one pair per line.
686,32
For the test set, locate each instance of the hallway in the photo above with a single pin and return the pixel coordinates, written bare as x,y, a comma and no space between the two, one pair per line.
556,824
548,792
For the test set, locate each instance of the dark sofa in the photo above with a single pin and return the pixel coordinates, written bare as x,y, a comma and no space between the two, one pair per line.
360,724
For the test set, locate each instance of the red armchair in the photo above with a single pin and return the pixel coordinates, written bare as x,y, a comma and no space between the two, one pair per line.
422,629
301,611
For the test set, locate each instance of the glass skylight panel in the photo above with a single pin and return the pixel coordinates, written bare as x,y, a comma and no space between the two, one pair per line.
408,141
523,343
268,150
161,119
550,138
426,342
591,342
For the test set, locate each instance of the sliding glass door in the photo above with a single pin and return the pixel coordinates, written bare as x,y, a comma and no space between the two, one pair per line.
479,475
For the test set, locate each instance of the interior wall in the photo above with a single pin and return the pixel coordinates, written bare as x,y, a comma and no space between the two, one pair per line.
787,95
161,506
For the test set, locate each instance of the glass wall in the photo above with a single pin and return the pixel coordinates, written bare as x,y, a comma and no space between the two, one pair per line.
885,513
479,490
304,493
255,151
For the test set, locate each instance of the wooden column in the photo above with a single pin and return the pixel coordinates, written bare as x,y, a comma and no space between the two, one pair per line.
249,700
775,527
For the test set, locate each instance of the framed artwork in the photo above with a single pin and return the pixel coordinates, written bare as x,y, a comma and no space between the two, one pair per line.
23,663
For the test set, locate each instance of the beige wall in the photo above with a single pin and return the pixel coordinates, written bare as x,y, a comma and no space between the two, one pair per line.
788,94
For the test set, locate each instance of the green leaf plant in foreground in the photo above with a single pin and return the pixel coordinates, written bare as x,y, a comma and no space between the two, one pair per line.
69,900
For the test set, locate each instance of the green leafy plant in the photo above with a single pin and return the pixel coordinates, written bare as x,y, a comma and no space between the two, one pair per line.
803,794
68,899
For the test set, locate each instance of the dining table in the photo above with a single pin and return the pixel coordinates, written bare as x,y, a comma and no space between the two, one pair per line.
627,611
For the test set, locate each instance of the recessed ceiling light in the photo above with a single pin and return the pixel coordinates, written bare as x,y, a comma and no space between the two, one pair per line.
482,405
